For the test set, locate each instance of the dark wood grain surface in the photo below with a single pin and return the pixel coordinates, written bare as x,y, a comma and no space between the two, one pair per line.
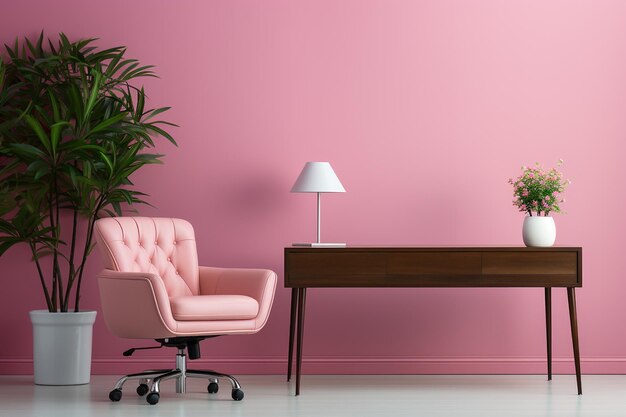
433,267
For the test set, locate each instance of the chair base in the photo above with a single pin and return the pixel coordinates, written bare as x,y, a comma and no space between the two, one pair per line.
150,381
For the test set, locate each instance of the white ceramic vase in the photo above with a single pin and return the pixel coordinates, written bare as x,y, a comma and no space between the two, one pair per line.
62,347
539,231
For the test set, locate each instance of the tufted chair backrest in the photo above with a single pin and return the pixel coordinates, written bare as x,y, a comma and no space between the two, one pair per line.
160,246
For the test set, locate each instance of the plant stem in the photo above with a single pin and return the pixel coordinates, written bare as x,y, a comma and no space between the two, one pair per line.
41,277
62,303
59,279
55,276
90,225
72,273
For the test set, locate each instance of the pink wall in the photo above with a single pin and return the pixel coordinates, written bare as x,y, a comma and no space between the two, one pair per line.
425,109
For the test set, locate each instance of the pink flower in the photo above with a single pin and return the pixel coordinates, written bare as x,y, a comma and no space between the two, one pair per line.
540,180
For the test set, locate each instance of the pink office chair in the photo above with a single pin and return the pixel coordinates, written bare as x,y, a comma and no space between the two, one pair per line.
153,288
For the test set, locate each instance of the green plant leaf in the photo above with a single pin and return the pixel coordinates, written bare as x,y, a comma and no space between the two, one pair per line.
41,134
108,122
93,96
155,112
26,150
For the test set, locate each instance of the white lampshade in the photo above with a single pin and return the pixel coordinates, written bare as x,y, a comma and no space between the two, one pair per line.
317,177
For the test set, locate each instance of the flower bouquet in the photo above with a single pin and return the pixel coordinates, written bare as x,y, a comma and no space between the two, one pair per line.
538,192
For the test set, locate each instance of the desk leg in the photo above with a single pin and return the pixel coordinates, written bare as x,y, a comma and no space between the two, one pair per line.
301,309
571,298
549,329
292,328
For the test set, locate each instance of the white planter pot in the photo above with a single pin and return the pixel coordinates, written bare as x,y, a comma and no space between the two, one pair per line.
62,347
539,231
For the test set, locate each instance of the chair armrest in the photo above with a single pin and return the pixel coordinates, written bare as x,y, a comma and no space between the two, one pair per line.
259,284
240,281
139,295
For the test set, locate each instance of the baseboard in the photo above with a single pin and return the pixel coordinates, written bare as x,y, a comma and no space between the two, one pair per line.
375,365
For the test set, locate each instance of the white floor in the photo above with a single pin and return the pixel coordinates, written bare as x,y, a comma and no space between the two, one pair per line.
332,395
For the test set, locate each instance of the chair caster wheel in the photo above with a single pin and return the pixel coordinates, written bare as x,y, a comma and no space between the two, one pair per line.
115,395
153,398
213,388
237,395
142,389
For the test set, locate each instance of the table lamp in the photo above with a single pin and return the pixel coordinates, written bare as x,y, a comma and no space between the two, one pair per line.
318,177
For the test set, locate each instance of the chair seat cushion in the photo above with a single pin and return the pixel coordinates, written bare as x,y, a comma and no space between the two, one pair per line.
214,307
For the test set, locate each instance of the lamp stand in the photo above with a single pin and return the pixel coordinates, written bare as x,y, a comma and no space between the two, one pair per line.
318,217
319,243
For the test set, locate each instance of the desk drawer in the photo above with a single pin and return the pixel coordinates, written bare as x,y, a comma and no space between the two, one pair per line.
530,263
434,263
334,269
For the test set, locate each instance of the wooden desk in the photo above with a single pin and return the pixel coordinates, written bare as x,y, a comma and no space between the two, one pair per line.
432,267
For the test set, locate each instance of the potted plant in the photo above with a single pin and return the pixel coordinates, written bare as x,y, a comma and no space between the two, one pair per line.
73,130
537,192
